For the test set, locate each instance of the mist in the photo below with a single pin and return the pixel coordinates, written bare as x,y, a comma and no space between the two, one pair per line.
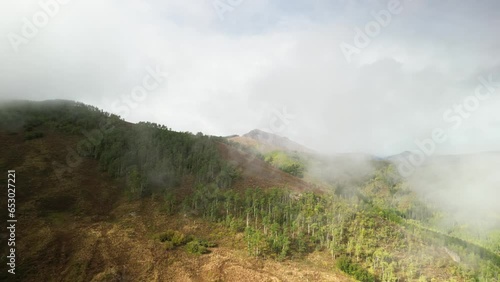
260,57
464,187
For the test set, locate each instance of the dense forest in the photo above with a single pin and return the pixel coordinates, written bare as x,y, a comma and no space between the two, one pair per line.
151,157
377,230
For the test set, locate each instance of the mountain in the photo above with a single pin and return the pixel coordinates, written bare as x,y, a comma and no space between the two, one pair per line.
266,142
93,214
101,199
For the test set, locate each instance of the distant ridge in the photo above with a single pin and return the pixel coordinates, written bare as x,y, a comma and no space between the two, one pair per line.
266,141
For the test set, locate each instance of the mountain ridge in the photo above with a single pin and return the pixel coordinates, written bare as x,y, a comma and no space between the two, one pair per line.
266,142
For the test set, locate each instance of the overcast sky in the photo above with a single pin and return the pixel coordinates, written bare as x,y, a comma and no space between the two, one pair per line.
236,65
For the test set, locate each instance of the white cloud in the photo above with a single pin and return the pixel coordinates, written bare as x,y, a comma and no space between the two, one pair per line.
225,76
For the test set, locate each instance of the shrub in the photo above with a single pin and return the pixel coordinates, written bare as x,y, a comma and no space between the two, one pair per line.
237,225
179,238
195,247
189,238
173,239
294,169
169,245
347,266
207,244
166,236
176,237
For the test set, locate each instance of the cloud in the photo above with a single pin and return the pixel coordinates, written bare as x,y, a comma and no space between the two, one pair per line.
464,187
225,77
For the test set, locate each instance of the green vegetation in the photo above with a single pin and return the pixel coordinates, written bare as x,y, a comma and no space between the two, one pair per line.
151,157
288,162
172,239
177,238
369,237
355,270
195,247
367,233
169,245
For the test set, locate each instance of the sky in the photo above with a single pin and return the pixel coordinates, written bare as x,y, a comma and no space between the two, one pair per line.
369,76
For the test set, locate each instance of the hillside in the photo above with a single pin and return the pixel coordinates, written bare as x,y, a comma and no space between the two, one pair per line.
81,224
101,199
84,228
279,152
301,162
255,172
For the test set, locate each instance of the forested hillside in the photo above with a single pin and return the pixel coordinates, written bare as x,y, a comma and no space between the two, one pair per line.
149,156
180,197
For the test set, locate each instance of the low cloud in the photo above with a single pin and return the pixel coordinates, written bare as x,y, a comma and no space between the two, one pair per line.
225,76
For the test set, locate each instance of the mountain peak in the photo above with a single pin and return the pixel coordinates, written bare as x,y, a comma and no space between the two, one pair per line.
257,133
274,142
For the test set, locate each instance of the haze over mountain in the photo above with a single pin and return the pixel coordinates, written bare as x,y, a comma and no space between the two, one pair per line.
265,141
465,186
270,63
